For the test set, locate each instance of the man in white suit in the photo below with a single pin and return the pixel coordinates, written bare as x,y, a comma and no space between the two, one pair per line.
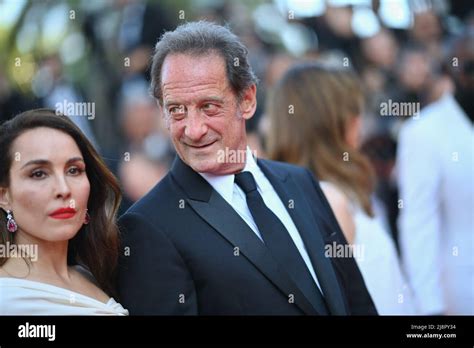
436,178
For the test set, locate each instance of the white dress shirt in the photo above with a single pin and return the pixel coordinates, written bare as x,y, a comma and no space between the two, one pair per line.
233,194
436,180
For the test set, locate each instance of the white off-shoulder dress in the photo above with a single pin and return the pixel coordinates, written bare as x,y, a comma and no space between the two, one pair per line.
377,258
27,297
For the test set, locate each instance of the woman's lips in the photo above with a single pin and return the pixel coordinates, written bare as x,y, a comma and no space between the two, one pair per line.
63,213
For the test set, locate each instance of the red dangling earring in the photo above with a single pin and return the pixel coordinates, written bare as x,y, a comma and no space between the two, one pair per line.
11,223
87,219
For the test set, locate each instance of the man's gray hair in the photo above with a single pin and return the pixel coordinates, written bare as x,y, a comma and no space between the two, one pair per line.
201,38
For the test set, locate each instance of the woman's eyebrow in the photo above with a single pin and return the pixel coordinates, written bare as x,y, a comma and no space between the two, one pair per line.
46,162
36,161
74,159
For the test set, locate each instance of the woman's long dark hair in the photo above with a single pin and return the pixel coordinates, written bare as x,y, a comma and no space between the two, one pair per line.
96,245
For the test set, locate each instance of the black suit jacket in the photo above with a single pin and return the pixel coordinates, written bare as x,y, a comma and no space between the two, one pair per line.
185,250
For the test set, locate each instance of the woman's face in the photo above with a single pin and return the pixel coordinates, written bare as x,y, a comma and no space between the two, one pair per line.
49,188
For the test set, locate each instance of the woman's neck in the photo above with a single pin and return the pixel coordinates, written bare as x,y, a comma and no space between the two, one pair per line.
50,263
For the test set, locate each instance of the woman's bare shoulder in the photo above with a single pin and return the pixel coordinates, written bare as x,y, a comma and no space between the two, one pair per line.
340,205
334,194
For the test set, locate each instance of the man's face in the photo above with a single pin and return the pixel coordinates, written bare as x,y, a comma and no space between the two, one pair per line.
202,112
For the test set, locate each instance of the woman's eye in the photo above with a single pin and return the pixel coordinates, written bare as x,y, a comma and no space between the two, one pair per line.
38,174
75,171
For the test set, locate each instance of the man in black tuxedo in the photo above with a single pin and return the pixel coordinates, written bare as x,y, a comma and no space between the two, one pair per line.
225,233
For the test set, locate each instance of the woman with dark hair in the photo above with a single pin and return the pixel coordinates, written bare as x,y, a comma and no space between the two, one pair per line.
58,236
315,117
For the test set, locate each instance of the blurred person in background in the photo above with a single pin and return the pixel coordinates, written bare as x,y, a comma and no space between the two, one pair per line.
377,64
11,101
381,150
380,50
427,30
53,86
323,134
436,169
146,149
414,72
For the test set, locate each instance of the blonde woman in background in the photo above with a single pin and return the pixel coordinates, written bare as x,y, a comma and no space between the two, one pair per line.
315,119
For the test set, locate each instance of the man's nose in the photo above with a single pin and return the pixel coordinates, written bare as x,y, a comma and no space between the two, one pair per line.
195,127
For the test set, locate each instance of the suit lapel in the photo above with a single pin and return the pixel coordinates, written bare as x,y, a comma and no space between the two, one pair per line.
310,233
208,204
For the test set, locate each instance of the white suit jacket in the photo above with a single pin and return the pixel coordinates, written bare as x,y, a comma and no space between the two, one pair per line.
436,180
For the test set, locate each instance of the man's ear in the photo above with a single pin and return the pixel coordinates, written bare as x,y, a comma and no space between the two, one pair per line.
4,199
248,104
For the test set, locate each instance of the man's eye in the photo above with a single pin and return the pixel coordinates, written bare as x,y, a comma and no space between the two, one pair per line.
176,110
209,107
